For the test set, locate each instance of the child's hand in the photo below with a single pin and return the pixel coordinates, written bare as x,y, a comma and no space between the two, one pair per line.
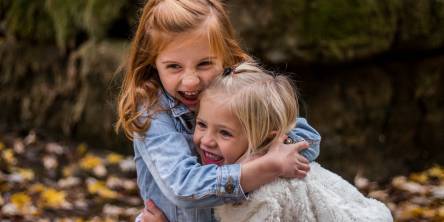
287,157
152,213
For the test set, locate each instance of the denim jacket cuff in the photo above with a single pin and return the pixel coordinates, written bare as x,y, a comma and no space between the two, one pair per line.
228,183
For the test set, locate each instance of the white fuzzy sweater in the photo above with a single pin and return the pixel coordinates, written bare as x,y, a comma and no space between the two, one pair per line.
321,196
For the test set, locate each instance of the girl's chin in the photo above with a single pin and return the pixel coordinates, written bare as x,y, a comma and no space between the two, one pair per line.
219,163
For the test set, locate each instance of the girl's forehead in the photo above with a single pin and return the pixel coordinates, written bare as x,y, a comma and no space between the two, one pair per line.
200,39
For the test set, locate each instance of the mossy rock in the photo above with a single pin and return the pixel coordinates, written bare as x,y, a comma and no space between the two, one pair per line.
317,30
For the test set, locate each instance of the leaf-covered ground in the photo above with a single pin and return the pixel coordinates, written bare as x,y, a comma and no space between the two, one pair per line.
49,181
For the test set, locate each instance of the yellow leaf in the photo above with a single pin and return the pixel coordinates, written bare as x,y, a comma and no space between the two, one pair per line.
26,174
53,198
419,177
81,149
441,212
69,170
37,188
9,157
20,200
2,146
99,188
428,213
114,158
436,171
90,162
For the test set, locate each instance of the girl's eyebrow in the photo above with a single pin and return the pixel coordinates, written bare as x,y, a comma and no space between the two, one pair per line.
209,58
232,130
199,119
203,59
168,61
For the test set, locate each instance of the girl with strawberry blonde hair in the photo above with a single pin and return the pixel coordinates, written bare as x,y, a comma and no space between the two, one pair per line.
179,47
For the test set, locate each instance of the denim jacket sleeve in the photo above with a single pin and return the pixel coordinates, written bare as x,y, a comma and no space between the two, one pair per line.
303,131
177,172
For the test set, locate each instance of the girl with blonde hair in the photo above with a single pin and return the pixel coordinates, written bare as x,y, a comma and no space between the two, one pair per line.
239,118
179,47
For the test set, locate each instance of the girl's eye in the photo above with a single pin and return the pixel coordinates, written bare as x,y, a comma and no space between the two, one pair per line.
205,64
173,66
225,133
201,125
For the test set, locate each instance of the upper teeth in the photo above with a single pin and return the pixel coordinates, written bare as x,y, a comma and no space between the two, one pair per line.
212,156
190,93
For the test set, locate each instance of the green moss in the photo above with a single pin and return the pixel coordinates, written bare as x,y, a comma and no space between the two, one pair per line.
348,28
61,20
28,20
66,19
423,25
99,15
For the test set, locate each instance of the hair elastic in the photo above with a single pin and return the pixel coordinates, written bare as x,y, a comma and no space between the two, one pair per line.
227,71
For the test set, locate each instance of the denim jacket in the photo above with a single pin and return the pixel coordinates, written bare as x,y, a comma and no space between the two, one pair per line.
169,172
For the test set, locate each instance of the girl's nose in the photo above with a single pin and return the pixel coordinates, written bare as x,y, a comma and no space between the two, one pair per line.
208,140
190,81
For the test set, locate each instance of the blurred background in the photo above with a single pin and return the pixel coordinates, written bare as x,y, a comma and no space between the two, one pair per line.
370,75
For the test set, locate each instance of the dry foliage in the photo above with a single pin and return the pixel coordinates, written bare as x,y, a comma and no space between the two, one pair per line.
48,181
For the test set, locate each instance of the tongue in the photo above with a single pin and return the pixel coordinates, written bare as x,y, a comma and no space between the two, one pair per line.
210,159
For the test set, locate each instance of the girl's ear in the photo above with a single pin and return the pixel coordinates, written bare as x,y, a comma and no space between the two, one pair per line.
273,134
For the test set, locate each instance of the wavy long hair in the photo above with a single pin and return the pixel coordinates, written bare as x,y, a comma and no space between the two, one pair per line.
160,22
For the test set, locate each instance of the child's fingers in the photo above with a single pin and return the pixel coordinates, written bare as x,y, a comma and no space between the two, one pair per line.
302,159
301,174
301,146
151,207
304,167
152,212
147,216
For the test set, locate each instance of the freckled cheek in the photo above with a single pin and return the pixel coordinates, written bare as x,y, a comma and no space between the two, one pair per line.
211,75
196,137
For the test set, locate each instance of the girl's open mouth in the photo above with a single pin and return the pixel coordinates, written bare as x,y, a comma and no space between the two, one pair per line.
189,98
211,158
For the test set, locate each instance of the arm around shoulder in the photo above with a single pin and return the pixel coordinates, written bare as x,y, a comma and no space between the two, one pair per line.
176,171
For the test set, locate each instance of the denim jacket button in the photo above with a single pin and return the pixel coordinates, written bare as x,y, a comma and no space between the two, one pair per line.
229,187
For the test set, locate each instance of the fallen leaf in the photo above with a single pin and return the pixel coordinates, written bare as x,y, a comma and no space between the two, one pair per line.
412,187
37,188
53,198
26,174
112,210
68,182
30,138
438,192
90,162
50,162
69,170
127,165
8,156
99,188
82,149
19,146
436,171
100,171
54,148
21,204
379,195
419,177
114,158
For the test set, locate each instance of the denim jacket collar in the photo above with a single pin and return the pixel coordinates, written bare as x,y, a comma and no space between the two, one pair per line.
177,109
